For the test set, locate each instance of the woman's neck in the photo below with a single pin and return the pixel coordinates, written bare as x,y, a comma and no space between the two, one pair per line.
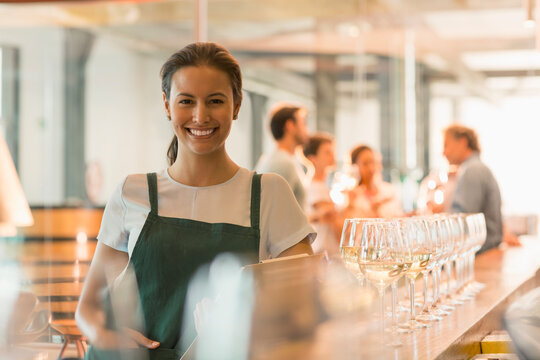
319,175
368,184
203,170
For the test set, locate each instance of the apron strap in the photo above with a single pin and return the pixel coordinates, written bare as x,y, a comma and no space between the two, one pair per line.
255,200
152,192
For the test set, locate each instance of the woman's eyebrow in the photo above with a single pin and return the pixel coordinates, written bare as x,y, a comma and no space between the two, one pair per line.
217,94
184,94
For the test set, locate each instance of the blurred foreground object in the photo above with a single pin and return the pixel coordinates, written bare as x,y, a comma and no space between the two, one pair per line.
522,320
294,296
27,321
14,210
275,309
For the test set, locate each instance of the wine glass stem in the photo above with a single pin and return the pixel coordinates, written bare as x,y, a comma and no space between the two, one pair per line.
437,290
425,275
448,269
473,256
411,288
381,310
394,300
458,275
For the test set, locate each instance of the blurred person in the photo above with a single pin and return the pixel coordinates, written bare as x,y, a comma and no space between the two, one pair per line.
373,197
321,211
476,189
289,130
163,226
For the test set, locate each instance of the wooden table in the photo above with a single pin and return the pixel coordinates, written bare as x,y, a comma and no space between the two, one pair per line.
507,274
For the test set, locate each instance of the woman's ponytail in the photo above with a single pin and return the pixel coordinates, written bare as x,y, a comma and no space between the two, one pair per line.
173,150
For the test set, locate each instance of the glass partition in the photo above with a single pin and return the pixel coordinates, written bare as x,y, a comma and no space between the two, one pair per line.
81,104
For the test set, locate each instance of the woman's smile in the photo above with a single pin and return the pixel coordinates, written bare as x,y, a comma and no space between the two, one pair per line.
199,133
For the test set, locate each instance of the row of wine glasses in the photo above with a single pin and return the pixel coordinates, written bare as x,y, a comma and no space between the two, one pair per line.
382,251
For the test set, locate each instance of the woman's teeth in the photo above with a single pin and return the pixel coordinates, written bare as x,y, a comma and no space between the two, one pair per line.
197,132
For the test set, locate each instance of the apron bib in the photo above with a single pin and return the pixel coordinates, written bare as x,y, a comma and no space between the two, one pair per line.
166,255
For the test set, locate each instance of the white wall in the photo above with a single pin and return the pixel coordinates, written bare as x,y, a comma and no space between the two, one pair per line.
510,145
41,161
126,127
441,114
239,144
357,122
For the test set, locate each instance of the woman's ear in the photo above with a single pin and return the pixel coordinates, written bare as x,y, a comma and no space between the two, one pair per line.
236,111
166,104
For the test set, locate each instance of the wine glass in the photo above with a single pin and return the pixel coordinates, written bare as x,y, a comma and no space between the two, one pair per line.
433,226
381,257
442,226
349,244
477,222
457,232
418,252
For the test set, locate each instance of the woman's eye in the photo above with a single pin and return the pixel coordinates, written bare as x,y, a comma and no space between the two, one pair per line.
185,101
216,101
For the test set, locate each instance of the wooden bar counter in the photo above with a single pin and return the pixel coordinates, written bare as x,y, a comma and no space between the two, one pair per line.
507,275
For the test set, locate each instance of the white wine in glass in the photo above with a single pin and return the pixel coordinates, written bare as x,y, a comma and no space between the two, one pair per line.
381,273
350,243
380,258
349,255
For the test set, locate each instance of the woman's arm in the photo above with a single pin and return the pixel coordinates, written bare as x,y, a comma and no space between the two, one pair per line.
303,247
106,265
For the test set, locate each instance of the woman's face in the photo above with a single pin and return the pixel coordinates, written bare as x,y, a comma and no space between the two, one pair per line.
325,157
201,108
367,165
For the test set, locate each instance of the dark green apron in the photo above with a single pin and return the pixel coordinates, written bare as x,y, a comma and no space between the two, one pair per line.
166,255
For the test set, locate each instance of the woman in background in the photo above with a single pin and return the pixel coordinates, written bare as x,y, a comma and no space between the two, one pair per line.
326,220
372,197
163,226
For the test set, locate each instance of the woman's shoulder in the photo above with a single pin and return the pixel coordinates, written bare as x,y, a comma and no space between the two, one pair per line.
135,186
269,180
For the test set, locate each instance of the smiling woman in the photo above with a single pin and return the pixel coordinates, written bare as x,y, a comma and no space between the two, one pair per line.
159,228
201,110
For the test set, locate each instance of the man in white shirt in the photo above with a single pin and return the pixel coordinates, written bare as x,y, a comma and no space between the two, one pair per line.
288,126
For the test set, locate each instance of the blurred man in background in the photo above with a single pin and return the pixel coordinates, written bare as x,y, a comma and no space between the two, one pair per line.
476,189
288,126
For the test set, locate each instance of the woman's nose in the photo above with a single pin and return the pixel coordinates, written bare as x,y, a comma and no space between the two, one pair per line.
200,114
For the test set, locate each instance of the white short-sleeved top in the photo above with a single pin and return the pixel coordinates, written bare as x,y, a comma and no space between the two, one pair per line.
282,221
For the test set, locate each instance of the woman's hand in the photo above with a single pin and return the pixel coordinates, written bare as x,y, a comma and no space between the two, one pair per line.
125,339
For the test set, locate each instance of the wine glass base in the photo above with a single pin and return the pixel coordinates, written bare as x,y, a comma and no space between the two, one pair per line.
394,343
428,317
454,302
413,325
447,308
395,329
439,312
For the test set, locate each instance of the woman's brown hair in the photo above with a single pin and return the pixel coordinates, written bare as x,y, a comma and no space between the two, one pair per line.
355,153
